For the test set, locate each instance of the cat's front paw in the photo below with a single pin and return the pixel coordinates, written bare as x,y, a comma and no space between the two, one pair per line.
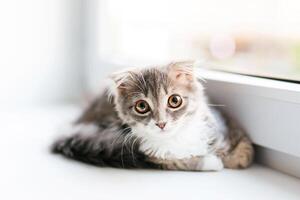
211,163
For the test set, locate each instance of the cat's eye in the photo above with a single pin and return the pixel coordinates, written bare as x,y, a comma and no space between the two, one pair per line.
142,107
174,101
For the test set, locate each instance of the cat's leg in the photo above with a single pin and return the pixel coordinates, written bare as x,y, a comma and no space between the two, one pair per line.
235,147
210,163
237,151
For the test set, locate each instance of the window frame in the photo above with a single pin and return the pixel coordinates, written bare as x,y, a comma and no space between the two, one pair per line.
269,111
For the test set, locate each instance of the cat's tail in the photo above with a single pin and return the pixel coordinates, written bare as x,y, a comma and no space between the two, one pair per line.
103,147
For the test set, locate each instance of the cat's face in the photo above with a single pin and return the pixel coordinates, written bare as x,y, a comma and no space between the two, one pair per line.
156,101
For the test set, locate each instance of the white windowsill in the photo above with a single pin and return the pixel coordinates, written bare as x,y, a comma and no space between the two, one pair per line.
259,86
29,171
268,110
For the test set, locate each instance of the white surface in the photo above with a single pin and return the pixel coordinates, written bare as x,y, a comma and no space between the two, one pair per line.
40,51
28,171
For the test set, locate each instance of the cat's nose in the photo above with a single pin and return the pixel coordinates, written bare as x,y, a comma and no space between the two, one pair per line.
161,125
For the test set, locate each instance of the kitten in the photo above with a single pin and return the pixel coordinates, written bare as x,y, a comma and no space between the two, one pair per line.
156,117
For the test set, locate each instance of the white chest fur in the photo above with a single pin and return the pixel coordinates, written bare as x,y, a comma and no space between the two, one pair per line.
190,139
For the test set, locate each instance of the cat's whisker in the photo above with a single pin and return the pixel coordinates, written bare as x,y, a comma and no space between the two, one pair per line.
117,138
122,148
122,161
143,78
120,134
216,105
132,148
125,129
109,96
201,79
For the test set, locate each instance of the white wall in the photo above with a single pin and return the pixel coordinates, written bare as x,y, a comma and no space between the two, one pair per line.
40,51
97,39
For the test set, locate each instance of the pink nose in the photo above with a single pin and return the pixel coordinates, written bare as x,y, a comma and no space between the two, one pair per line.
161,125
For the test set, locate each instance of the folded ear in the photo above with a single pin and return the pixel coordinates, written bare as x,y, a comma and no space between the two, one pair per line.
119,79
182,72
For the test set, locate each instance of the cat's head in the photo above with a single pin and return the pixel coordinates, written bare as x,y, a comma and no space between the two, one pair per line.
157,100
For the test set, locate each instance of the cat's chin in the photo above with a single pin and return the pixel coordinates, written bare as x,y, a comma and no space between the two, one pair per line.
160,134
